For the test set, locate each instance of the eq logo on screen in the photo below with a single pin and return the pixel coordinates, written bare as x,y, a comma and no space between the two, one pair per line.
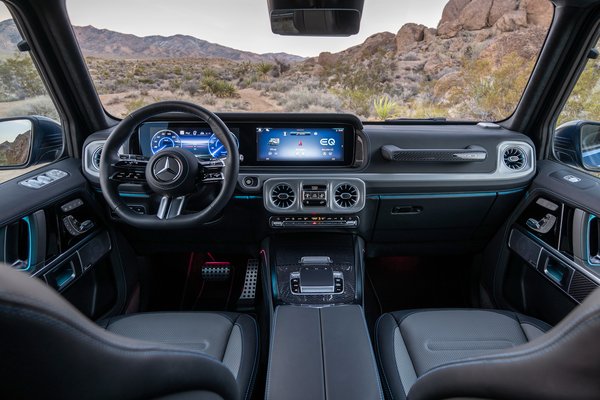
327,142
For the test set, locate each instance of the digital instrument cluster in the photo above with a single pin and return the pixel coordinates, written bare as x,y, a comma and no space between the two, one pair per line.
199,140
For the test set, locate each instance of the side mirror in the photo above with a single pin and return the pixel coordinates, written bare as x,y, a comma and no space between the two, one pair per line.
577,143
315,17
27,141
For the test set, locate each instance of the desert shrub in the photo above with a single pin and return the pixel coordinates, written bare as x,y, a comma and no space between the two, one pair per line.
243,69
191,87
133,105
584,101
208,73
385,108
40,105
282,66
357,101
19,79
209,100
491,90
263,68
302,99
218,87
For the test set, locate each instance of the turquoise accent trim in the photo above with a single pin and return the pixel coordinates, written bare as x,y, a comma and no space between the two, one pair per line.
31,247
587,246
513,191
445,195
127,194
247,197
136,195
60,282
274,286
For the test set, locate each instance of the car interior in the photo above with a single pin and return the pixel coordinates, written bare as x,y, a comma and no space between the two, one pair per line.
180,249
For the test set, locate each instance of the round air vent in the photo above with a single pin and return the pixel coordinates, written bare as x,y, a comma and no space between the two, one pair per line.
283,195
346,195
96,158
514,158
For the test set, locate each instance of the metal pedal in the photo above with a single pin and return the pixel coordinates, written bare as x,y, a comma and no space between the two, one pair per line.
216,271
249,290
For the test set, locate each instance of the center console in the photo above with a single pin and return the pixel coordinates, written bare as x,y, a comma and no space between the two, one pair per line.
317,269
320,346
321,353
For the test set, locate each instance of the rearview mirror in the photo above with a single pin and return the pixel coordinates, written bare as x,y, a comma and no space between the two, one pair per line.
577,143
27,141
15,143
315,17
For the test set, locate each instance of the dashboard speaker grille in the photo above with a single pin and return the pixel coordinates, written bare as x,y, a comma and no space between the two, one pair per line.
346,195
283,196
514,158
96,158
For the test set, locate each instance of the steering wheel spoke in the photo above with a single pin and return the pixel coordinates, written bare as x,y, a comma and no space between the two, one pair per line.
212,171
171,207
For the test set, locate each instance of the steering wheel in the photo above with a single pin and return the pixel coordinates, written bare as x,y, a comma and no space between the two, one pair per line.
172,173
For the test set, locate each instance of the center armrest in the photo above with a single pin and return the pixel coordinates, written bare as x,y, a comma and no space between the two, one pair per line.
321,353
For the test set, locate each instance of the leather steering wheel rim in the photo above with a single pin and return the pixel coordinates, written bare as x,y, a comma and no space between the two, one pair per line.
126,128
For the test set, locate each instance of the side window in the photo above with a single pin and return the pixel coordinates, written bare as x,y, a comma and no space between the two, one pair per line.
30,132
577,136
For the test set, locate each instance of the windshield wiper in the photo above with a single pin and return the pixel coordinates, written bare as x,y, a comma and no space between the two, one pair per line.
434,119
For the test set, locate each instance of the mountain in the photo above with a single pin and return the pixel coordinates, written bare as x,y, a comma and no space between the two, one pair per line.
105,43
15,152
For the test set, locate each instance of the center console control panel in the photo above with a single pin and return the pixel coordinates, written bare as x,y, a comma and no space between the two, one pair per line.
339,221
317,280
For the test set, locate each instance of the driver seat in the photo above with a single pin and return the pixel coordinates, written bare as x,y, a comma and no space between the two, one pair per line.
50,350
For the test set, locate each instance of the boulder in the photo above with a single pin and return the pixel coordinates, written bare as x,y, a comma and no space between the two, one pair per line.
499,8
475,15
409,35
452,10
449,29
539,12
429,34
327,59
512,21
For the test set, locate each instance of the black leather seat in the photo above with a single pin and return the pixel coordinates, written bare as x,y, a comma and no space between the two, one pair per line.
50,350
468,353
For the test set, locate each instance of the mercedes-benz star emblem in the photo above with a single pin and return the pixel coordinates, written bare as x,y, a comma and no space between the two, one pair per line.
167,169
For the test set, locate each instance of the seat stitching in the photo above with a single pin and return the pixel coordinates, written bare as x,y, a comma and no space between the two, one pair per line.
49,320
523,354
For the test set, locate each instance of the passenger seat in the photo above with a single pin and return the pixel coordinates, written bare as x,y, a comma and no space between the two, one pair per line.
491,354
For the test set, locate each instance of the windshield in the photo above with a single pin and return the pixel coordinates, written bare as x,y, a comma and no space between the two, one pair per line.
456,60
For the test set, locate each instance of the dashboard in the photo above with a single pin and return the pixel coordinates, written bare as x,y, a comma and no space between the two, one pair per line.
307,171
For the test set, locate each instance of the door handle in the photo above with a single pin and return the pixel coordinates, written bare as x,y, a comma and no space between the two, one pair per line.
542,226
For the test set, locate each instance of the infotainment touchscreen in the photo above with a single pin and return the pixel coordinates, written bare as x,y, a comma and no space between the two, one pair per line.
300,144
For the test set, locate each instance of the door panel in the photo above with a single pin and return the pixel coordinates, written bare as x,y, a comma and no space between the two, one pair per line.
553,244
56,233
